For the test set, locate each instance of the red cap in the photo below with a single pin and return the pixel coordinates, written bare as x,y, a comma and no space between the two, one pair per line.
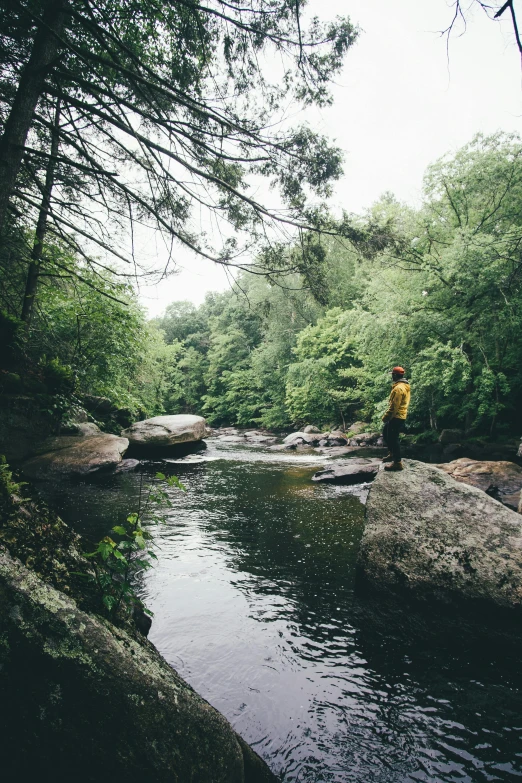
399,370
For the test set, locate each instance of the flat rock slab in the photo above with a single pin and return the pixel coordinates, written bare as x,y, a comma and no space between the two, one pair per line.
77,455
162,431
502,477
429,534
507,476
355,472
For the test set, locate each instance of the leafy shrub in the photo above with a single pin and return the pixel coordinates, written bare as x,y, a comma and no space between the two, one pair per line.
118,560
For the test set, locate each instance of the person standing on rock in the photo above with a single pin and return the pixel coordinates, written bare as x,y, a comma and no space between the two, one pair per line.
395,418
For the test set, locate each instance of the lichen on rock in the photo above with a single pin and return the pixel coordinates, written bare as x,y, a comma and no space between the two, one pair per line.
435,537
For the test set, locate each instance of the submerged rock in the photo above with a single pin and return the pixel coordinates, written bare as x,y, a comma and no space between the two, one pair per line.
164,431
126,465
500,479
429,534
353,472
81,699
86,452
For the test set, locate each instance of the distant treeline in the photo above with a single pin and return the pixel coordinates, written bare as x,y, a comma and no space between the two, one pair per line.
443,298
437,289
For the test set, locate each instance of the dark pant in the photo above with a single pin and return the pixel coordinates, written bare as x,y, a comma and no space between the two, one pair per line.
390,433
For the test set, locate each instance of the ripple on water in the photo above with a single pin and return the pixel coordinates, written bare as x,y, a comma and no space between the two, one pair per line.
254,605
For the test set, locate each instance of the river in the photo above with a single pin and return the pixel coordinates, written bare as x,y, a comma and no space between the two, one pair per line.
254,605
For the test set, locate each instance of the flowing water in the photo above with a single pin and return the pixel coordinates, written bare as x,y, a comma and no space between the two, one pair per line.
254,605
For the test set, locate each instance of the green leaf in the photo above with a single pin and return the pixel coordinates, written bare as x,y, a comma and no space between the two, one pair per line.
109,601
120,530
173,481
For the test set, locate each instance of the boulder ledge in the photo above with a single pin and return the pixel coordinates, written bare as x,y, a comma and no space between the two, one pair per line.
87,452
427,533
163,431
81,699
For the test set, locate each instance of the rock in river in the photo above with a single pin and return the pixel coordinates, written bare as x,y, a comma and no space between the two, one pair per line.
162,431
83,700
350,472
88,452
429,534
501,479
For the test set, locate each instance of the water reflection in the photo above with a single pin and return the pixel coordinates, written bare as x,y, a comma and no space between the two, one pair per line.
254,605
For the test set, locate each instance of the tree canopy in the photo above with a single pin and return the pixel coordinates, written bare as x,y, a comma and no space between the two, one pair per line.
170,116
444,299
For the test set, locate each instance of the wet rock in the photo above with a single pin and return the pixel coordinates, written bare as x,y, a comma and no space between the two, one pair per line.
126,465
519,452
356,428
335,451
256,436
165,431
366,439
500,479
335,438
352,472
77,693
302,437
82,454
429,534
451,436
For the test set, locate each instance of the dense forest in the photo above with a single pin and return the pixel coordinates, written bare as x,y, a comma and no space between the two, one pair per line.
439,291
107,132
442,298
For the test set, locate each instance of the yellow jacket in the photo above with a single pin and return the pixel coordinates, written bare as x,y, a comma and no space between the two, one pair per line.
398,402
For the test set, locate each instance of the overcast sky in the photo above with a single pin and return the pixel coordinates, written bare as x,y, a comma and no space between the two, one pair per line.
398,106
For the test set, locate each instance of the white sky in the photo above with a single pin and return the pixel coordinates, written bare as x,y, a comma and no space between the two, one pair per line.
398,106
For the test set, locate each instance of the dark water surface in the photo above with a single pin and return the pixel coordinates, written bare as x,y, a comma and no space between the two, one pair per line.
254,605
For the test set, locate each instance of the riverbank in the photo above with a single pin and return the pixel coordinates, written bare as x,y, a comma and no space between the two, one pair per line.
81,693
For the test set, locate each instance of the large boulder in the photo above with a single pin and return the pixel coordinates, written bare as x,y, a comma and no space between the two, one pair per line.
164,431
310,438
81,699
350,472
429,534
501,479
89,451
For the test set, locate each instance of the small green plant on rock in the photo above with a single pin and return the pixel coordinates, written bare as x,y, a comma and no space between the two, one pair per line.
118,560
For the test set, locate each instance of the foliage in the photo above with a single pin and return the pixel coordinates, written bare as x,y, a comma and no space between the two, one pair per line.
322,383
442,296
120,560
8,486
169,110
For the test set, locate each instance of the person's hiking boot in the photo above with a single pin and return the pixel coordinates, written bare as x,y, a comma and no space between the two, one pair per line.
394,466
388,457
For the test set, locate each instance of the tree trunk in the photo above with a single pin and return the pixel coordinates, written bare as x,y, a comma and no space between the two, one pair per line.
30,88
41,226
